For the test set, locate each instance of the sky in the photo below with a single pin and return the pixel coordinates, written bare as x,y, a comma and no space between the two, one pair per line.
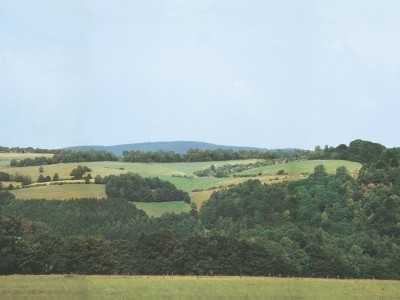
268,73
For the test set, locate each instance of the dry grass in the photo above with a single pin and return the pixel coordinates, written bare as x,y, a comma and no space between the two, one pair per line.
191,287
65,191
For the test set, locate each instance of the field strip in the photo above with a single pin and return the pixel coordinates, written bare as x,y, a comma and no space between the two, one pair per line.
191,287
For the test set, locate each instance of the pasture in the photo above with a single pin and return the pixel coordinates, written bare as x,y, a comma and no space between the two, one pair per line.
191,287
156,209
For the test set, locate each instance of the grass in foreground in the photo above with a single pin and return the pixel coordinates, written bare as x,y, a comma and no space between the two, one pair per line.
191,287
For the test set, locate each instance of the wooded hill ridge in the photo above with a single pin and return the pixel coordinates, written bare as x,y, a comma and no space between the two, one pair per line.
358,151
180,147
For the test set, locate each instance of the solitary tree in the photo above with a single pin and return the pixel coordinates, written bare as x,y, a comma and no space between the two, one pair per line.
41,178
56,177
88,177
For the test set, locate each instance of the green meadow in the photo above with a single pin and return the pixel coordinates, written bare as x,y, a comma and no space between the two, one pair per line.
156,209
191,287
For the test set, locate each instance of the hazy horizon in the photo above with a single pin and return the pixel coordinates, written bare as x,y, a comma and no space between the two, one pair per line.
269,74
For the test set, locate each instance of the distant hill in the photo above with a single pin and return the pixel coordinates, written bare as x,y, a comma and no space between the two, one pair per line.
178,147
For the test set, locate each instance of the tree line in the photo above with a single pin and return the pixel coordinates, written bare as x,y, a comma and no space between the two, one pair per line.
4,149
17,177
192,155
368,153
65,156
358,150
197,155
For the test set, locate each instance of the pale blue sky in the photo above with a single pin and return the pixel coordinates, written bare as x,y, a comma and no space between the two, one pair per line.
271,73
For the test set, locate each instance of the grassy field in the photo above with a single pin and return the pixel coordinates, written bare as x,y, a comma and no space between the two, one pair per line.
6,158
65,191
157,209
115,168
191,287
307,166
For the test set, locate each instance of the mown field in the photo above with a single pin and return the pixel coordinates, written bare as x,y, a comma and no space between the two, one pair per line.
63,192
180,174
191,287
159,208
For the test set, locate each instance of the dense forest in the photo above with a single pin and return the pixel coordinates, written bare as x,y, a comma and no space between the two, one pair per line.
321,226
133,187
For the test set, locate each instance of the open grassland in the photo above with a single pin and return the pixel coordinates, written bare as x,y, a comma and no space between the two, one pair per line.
156,209
191,287
6,158
65,191
306,167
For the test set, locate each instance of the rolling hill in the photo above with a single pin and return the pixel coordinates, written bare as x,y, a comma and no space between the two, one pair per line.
176,146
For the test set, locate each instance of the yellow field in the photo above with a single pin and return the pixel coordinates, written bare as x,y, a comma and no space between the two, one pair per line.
65,191
192,287
200,197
